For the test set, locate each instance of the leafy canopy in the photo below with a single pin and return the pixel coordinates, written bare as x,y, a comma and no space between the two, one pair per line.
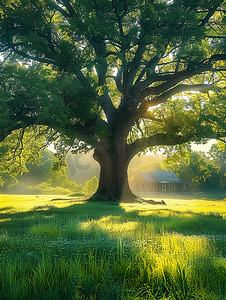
152,70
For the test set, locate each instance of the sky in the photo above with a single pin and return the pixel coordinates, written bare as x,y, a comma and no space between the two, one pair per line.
203,147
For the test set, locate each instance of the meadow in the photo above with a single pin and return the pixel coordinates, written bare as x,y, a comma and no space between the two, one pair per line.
54,247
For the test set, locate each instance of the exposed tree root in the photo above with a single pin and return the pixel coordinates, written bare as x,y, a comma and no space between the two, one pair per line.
150,201
131,198
137,199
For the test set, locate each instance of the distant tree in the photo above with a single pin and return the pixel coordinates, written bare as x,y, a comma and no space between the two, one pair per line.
16,150
196,168
217,153
23,163
116,76
39,171
48,176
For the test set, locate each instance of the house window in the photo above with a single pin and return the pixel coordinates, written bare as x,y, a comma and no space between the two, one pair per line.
164,187
156,186
173,186
183,187
143,186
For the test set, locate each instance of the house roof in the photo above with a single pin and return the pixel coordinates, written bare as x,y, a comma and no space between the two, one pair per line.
160,176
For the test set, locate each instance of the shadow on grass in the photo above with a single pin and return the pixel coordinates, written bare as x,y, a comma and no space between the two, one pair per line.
187,222
18,222
6,208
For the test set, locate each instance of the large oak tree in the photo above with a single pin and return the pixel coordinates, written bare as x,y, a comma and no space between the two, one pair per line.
115,75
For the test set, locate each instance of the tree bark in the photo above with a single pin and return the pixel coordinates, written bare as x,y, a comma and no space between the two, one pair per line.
113,180
114,155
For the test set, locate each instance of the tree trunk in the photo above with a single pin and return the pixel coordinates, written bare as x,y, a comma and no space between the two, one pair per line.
113,181
114,155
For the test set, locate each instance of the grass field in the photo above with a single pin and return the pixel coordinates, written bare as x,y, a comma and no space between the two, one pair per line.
73,249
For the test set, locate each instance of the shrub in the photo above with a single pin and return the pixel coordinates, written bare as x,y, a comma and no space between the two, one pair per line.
90,186
46,189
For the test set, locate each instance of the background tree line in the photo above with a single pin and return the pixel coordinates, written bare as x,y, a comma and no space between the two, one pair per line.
49,175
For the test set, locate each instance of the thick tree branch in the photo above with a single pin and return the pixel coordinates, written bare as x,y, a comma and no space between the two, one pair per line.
34,58
149,116
216,57
159,139
132,68
105,100
62,11
69,7
83,131
215,36
203,88
107,105
119,18
150,65
209,15
82,78
170,80
101,68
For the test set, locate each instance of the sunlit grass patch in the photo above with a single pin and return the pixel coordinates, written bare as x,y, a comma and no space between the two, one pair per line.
177,205
112,224
5,220
166,213
18,203
46,230
170,247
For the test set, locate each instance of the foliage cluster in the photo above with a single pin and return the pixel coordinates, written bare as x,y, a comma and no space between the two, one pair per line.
25,168
64,187
197,168
16,150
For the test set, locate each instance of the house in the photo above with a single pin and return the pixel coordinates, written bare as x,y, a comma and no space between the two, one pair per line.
158,181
